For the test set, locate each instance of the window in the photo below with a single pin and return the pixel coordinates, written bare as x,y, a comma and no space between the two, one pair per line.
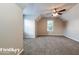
50,25
29,26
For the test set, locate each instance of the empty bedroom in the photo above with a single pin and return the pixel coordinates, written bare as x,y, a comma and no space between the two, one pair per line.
50,28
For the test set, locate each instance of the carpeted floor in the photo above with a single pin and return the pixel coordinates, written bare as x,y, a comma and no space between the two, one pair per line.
51,46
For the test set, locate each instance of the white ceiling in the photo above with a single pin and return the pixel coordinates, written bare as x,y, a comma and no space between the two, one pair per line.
42,8
22,5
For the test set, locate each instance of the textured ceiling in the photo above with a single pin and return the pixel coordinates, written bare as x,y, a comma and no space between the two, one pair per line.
42,8
22,5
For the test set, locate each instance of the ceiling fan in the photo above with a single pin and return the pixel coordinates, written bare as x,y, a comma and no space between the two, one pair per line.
56,11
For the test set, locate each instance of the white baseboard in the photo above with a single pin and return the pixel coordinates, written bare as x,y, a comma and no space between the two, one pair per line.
51,34
71,38
29,36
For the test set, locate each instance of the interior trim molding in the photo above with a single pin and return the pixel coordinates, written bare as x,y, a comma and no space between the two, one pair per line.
29,36
71,38
52,34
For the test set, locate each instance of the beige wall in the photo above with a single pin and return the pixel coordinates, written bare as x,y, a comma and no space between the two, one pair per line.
11,26
72,28
58,27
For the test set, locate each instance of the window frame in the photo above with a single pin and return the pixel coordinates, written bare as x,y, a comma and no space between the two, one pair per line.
50,23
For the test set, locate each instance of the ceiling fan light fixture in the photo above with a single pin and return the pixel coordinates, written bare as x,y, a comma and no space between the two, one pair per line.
54,11
55,14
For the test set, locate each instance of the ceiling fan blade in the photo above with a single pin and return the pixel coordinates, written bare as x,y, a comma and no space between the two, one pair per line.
62,10
60,13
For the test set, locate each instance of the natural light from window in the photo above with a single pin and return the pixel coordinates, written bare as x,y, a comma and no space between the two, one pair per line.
50,25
